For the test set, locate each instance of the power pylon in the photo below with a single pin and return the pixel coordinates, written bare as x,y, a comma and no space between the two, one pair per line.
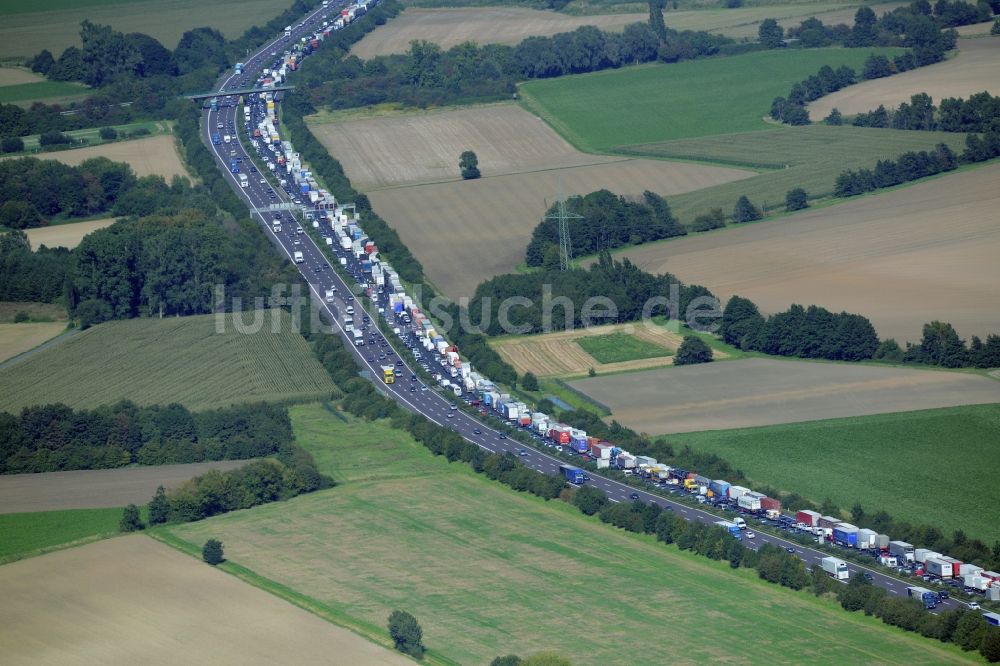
565,246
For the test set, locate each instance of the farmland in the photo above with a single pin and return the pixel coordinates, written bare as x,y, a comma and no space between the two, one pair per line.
901,258
490,218
29,534
156,155
194,365
976,68
29,27
508,25
107,602
858,459
810,157
757,391
97,488
572,353
19,338
484,582
730,95
49,91
16,76
65,235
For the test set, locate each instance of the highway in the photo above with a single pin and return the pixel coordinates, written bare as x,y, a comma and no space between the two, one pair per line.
406,391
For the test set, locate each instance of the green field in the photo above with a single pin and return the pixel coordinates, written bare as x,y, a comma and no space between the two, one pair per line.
26,534
903,463
159,361
487,571
93,137
618,347
605,110
810,157
42,90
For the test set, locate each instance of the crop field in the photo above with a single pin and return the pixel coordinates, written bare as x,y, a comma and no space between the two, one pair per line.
901,258
858,459
810,157
109,601
573,353
651,103
30,534
534,576
976,68
24,93
18,338
159,361
16,76
975,30
29,27
509,25
756,391
65,235
156,155
97,488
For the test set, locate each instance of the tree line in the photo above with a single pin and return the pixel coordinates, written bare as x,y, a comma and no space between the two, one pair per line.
608,221
52,438
978,114
25,276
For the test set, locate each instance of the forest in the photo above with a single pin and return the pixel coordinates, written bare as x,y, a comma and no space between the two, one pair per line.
50,438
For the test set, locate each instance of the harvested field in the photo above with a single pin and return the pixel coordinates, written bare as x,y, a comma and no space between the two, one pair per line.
177,359
13,76
130,598
156,155
97,488
559,354
65,235
28,28
900,258
754,392
19,338
409,148
976,68
975,30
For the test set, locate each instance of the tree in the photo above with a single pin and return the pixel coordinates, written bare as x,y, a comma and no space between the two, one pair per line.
835,118
589,500
130,522
92,312
407,636
990,646
693,350
656,19
53,138
469,164
864,32
43,62
212,553
12,144
771,34
529,382
506,660
159,507
108,133
745,211
741,322
995,30
796,199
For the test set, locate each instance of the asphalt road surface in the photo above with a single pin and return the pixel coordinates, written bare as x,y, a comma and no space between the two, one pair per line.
315,270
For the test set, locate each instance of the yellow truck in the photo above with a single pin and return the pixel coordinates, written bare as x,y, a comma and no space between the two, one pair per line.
388,374
690,484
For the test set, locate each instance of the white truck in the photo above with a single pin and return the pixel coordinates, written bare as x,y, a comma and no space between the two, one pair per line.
227,138
837,568
244,181
276,226
298,257
359,339
329,295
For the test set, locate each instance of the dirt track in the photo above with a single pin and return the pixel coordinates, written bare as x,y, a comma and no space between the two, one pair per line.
95,489
755,392
976,68
134,600
901,258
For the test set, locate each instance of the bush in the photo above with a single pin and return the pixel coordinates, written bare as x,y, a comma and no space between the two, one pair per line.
54,138
21,317
714,219
141,131
693,350
130,522
12,144
835,118
529,382
745,211
796,199
108,133
212,553
407,636
469,164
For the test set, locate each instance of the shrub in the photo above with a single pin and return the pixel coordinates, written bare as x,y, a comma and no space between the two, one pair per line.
21,317
693,350
796,199
212,553
12,144
108,133
54,138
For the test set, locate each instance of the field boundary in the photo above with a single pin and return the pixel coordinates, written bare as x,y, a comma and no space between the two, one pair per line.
366,630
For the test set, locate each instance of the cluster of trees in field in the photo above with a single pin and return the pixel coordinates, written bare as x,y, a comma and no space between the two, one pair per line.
51,438
979,113
25,276
608,221
965,628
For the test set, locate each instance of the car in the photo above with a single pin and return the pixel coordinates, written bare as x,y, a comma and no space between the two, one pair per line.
477,431
751,535
452,408
522,452
423,387
413,389
297,242
973,605
503,436
789,549
943,594
633,496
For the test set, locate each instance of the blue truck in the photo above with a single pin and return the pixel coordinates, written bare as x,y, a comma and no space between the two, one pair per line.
926,597
216,139
234,166
732,528
572,474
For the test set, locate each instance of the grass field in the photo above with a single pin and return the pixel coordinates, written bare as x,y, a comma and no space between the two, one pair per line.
65,235
42,90
155,155
976,68
29,534
93,135
695,98
158,361
901,258
29,27
525,167
107,602
619,347
533,576
37,312
15,76
761,391
861,459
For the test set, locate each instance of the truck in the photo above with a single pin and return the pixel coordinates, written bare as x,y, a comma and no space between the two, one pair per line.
276,226
214,104
837,568
807,518
329,295
359,338
227,139
572,474
938,568
298,257
845,534
740,523
923,595
244,181
732,528
216,138
902,550
388,374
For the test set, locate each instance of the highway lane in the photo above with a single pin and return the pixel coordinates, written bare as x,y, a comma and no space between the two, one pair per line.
319,276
